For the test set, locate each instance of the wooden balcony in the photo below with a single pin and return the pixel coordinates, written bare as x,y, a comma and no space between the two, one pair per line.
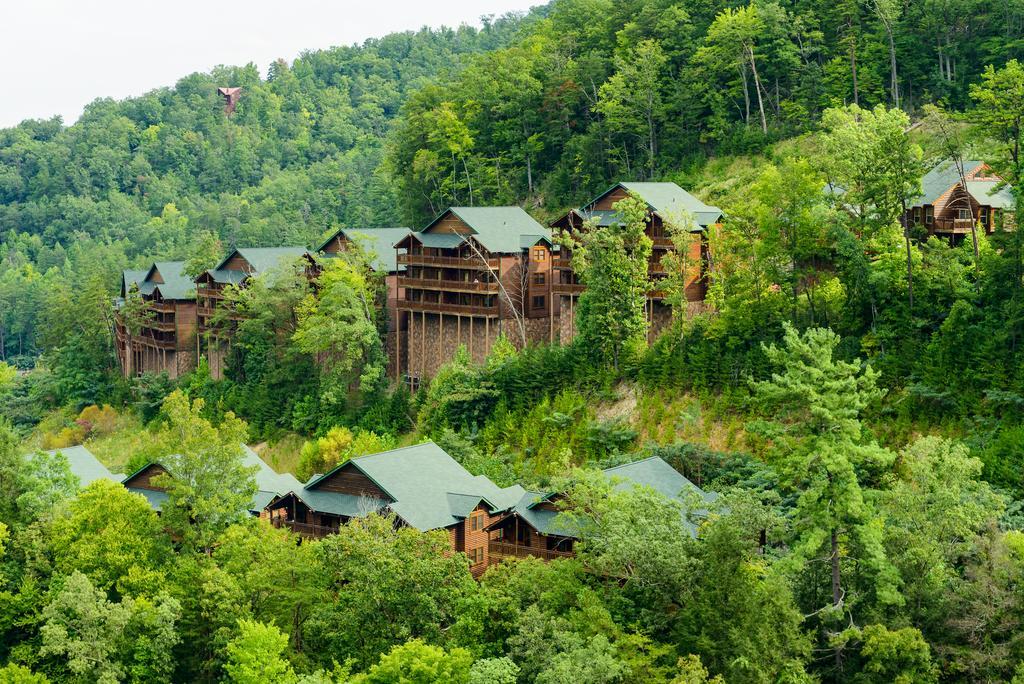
562,264
472,262
568,288
662,243
162,307
441,307
498,550
450,285
163,326
304,529
150,341
954,225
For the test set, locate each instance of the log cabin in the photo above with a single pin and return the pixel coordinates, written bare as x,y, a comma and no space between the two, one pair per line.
165,341
472,274
533,527
667,203
947,209
421,485
235,270
378,245
269,483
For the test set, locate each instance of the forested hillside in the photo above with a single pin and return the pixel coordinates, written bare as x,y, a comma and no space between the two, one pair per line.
850,388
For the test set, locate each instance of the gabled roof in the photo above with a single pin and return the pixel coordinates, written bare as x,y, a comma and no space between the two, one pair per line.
378,242
269,483
129,278
941,178
668,201
84,465
650,472
992,193
498,229
262,259
428,488
175,285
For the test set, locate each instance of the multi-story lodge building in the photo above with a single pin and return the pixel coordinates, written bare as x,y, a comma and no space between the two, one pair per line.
472,274
667,203
164,340
379,245
948,209
427,489
236,269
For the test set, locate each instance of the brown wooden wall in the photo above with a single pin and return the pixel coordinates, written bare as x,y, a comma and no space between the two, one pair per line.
144,478
350,480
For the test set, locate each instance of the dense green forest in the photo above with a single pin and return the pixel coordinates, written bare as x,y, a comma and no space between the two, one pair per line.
854,390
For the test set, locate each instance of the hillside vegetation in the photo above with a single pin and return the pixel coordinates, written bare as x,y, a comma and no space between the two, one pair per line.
852,389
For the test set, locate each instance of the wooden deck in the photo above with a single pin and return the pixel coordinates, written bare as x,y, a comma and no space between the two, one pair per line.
458,309
498,550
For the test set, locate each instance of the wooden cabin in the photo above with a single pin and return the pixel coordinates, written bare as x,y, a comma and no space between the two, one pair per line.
421,485
215,321
667,203
947,209
378,244
269,483
471,274
533,527
166,341
231,97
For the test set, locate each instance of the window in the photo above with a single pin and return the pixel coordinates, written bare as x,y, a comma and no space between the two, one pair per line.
963,214
538,278
476,522
929,215
539,301
540,254
476,556
984,217
917,215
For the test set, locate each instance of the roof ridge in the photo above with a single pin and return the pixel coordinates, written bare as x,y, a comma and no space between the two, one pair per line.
642,460
388,451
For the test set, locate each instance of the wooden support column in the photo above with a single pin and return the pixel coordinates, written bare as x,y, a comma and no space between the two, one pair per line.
423,341
440,336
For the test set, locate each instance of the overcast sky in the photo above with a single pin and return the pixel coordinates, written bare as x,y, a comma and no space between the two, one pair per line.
59,55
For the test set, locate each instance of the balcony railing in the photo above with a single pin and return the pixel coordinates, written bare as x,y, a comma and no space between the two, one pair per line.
499,549
305,529
157,324
662,242
443,284
562,264
568,288
442,307
473,262
954,225
162,307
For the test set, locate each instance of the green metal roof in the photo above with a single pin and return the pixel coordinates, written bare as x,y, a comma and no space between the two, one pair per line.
991,193
263,258
940,179
670,201
176,284
428,488
84,465
156,499
129,278
269,483
498,229
650,472
379,243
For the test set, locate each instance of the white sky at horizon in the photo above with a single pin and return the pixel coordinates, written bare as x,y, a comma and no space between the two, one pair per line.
60,55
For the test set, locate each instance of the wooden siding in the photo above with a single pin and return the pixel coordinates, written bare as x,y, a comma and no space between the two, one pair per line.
144,478
350,480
